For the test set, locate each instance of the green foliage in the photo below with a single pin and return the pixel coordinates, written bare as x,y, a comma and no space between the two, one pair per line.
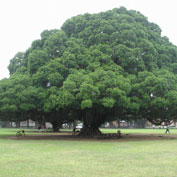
36,59
16,62
86,104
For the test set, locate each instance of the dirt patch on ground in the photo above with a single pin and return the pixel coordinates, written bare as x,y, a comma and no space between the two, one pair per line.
105,137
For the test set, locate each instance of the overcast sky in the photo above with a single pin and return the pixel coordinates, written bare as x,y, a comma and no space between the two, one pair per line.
22,21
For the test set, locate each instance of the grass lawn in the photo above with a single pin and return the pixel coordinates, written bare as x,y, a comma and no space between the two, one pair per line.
67,158
141,131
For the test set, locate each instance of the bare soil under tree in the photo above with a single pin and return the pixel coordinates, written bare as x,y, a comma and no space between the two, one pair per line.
110,137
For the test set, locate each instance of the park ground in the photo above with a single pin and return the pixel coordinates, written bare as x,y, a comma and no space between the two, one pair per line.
137,153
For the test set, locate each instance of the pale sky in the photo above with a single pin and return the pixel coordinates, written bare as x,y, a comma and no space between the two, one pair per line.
22,21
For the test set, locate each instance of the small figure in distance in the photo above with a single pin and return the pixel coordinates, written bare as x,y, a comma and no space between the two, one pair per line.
74,130
119,133
20,133
39,129
167,130
23,132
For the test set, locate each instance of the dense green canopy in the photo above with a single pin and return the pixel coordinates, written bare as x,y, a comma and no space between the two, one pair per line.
96,68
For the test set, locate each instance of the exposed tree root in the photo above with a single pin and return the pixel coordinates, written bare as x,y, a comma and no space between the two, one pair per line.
89,132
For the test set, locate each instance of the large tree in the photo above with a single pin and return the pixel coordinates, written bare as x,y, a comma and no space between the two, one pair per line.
96,68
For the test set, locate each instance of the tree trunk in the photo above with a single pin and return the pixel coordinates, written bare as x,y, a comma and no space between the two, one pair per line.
92,120
118,121
17,124
27,122
36,124
90,131
56,126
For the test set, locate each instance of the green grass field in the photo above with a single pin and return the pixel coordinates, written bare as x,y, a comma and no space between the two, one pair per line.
67,158
141,131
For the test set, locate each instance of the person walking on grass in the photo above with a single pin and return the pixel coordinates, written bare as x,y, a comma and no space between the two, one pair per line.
167,130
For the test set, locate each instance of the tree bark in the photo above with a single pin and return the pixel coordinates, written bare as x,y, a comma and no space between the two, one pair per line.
27,122
92,120
56,126
17,124
90,131
118,121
